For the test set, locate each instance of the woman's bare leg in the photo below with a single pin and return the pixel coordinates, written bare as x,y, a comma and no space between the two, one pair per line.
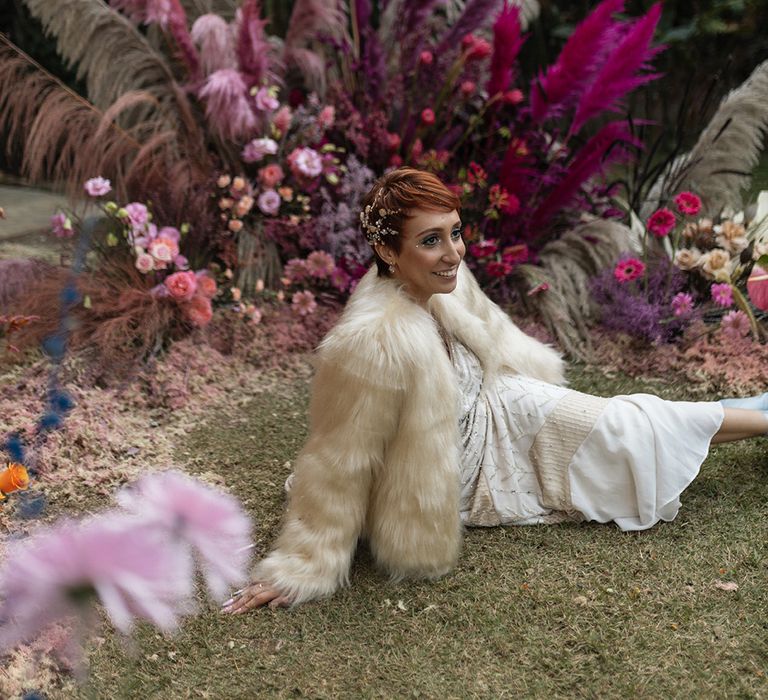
740,423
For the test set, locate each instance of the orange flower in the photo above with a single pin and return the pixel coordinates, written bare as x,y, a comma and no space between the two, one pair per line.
14,478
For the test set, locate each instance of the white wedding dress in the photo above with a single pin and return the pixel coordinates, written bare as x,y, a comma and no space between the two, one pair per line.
533,452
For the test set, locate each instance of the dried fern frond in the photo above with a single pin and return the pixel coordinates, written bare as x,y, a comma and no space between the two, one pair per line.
720,165
567,265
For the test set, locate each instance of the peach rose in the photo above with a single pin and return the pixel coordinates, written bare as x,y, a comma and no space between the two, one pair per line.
714,264
687,258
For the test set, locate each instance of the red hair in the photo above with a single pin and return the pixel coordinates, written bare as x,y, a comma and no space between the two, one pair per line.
403,190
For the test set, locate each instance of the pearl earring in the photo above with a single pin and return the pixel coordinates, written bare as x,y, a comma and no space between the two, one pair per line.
391,269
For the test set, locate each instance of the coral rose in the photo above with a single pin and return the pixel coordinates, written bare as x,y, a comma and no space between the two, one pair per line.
271,175
206,285
181,285
198,311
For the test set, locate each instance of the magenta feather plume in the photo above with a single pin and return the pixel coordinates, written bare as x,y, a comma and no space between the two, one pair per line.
252,45
608,145
213,36
622,71
178,29
507,42
582,56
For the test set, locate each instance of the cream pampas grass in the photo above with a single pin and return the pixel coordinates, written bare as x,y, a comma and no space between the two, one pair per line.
720,165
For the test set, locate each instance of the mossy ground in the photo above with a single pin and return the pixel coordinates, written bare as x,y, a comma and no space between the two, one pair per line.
562,611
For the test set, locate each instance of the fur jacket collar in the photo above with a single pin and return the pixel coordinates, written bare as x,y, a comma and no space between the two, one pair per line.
382,459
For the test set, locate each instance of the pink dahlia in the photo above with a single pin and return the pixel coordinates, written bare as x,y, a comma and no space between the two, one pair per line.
735,325
304,303
320,264
340,279
661,222
682,304
688,203
213,523
296,270
97,186
628,269
722,294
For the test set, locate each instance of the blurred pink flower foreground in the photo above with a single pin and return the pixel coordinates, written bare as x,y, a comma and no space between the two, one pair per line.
211,522
132,568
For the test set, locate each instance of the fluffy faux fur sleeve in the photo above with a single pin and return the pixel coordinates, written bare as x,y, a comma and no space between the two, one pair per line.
329,496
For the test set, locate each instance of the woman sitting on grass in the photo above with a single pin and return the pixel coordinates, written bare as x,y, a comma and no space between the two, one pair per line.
431,410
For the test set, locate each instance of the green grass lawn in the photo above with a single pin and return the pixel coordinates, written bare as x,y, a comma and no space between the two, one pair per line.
567,611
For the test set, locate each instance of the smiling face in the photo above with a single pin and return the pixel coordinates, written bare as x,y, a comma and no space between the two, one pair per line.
431,248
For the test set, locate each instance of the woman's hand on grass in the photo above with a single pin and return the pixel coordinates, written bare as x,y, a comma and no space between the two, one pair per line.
255,595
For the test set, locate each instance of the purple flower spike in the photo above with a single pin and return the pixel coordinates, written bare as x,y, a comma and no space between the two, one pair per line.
211,522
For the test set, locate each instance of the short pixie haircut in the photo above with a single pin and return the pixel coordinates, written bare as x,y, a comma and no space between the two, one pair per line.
402,190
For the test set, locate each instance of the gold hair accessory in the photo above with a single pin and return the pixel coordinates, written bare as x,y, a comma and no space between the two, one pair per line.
375,231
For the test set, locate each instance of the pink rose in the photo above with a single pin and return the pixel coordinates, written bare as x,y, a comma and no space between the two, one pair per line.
145,262
305,162
198,310
479,50
271,175
426,58
97,186
269,202
468,88
182,285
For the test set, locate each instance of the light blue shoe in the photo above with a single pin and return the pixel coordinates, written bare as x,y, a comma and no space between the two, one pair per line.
753,403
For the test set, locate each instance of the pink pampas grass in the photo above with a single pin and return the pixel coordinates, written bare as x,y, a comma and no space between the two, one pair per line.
226,104
253,47
214,38
582,56
621,72
213,523
130,567
506,45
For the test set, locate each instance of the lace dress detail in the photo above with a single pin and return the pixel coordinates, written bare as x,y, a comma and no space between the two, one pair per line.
533,452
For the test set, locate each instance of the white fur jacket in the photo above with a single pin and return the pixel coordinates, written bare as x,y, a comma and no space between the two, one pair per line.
382,459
